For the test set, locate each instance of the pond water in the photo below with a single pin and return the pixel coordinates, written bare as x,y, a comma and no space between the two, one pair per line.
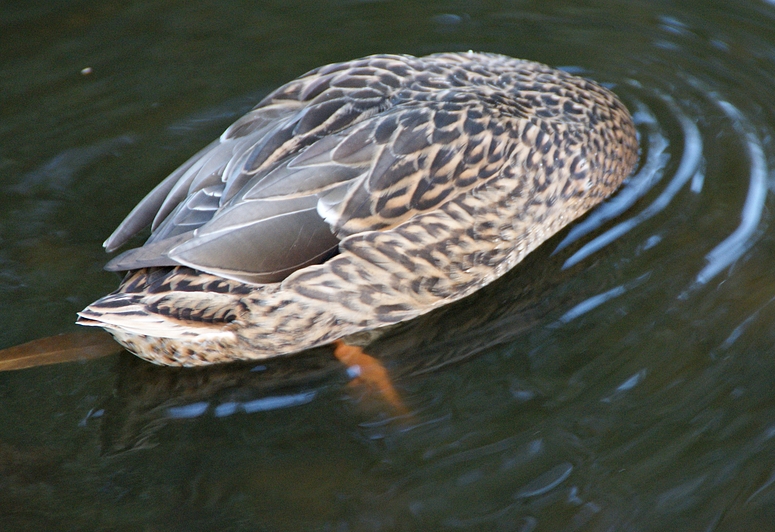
621,378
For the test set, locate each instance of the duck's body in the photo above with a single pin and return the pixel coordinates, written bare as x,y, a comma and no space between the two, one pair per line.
360,195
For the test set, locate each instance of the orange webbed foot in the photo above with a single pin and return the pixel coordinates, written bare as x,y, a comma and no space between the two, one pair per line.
369,372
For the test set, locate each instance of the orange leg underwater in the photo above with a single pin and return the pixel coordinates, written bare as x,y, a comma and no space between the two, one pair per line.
369,372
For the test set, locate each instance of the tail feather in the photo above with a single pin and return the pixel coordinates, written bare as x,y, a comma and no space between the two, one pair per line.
173,314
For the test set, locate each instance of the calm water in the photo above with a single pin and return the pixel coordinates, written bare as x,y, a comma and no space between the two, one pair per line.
621,378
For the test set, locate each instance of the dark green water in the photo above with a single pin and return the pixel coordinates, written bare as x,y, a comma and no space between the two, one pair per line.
625,382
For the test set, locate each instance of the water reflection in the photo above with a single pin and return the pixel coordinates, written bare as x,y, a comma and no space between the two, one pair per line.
733,247
147,397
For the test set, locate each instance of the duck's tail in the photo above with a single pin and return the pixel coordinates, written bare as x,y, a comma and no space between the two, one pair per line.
165,317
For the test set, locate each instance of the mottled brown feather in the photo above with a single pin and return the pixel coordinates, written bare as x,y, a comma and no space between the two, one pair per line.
431,176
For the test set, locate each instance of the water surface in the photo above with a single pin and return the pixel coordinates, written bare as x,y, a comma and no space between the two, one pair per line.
620,378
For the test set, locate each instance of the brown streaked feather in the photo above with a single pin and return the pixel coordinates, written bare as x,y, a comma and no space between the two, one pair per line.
366,147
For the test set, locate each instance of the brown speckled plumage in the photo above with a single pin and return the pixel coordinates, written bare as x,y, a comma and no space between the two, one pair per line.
360,195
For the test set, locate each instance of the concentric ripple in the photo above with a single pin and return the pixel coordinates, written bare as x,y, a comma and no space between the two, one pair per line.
675,161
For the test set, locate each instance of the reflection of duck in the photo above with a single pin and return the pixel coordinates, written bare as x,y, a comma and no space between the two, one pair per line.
146,398
358,196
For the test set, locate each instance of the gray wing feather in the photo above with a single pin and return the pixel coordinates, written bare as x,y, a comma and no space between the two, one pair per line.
145,211
261,252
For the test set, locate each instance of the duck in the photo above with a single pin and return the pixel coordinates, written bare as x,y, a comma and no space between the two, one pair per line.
358,196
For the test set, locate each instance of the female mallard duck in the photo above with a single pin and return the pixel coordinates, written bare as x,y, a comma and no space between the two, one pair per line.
360,195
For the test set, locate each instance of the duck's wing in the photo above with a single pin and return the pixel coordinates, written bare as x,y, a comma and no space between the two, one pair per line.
323,101
342,150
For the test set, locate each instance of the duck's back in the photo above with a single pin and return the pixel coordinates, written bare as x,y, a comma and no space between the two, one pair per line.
360,195
365,145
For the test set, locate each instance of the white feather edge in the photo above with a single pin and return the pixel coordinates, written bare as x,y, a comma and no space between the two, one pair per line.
135,319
